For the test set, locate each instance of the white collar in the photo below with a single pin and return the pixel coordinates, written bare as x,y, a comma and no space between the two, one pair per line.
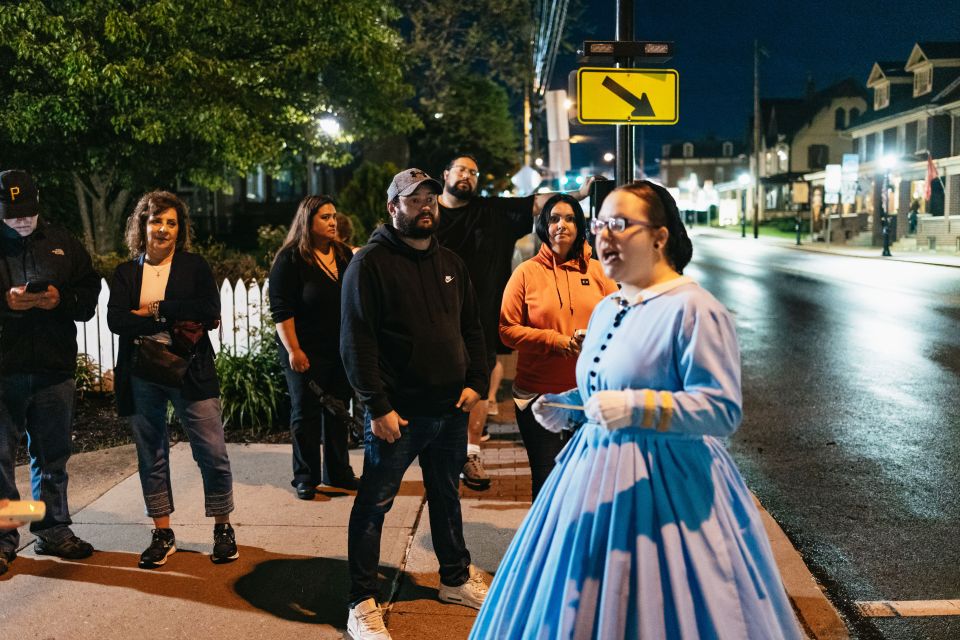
652,292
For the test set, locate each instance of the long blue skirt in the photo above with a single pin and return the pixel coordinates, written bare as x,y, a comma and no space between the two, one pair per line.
638,534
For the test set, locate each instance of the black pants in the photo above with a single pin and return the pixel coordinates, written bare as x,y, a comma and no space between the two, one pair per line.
313,428
542,446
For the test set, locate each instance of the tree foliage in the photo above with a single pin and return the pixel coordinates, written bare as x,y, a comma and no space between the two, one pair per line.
476,120
463,54
122,95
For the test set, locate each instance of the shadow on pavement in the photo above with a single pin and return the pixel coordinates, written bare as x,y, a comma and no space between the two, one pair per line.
311,590
295,588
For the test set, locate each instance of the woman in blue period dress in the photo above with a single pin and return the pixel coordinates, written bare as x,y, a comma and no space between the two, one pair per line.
645,528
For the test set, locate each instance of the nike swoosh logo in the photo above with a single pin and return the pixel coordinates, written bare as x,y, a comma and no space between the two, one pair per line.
448,279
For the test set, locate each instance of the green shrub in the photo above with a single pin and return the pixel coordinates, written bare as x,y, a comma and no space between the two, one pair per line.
252,387
363,197
87,375
229,264
789,225
106,263
269,240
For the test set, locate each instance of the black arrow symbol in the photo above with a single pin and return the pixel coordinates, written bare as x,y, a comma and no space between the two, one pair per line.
641,106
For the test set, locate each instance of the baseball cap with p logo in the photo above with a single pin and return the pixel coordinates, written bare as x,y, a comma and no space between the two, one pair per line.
19,197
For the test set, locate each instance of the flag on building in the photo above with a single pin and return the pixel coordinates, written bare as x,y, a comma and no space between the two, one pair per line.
931,176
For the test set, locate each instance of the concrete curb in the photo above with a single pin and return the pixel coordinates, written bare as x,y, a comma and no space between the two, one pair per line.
817,614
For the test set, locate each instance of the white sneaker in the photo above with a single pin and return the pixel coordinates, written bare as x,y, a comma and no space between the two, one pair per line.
365,622
471,593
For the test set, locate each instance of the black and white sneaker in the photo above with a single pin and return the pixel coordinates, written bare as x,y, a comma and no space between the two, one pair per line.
164,544
224,544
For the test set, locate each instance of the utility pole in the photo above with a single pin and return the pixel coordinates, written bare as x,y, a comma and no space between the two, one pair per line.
756,138
625,148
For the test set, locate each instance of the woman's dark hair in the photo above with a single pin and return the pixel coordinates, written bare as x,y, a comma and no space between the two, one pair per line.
663,212
299,235
344,228
151,204
543,222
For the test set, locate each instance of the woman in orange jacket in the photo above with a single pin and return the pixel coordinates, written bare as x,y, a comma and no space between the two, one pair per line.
546,307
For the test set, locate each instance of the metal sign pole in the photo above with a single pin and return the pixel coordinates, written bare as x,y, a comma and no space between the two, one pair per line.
625,150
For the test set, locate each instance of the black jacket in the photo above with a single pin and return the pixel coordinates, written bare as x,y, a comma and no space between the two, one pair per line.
410,336
304,292
191,294
39,341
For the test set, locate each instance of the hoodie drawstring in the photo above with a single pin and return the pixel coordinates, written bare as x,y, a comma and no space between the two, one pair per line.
556,283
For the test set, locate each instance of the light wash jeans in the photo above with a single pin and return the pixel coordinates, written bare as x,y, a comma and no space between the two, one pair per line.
202,421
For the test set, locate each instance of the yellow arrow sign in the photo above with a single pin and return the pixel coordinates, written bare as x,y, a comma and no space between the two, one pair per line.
628,96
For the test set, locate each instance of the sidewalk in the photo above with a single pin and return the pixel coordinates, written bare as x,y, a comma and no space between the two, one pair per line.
291,578
935,258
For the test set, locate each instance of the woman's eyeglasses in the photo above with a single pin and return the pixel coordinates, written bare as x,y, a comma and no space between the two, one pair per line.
615,224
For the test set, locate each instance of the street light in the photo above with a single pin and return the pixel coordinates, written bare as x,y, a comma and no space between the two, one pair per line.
608,157
889,163
744,180
330,126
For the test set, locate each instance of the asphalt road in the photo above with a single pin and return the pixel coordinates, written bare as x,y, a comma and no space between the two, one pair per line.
851,434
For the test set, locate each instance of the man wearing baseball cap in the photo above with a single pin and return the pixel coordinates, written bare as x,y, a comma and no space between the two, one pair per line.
48,285
413,350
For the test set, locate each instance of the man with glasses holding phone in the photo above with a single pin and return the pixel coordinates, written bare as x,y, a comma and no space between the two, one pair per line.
48,285
483,231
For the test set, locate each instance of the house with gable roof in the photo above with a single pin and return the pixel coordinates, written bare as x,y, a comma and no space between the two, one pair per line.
803,135
913,123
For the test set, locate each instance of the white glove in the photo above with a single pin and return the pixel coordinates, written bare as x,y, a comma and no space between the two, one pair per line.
612,409
555,419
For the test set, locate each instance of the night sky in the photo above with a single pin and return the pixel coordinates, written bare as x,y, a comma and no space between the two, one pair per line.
714,54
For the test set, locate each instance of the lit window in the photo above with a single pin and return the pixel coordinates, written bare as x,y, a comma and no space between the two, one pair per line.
881,96
922,81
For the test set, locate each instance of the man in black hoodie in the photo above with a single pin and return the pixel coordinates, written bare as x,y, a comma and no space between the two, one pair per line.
413,350
48,284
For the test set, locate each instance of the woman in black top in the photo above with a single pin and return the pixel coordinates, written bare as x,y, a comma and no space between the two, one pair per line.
305,304
169,295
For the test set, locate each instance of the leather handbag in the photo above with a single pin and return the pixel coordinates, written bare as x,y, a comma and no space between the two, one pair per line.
154,362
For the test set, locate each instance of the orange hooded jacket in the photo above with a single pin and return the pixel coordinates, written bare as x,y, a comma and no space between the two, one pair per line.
543,304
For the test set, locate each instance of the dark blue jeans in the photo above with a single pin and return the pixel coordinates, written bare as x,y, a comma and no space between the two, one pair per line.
441,444
313,429
42,405
202,421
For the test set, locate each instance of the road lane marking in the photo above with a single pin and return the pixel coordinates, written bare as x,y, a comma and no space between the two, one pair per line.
908,608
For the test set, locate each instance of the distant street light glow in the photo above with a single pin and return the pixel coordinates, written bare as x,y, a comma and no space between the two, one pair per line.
538,162
330,126
889,161
563,181
744,179
608,157
568,104
438,115
579,180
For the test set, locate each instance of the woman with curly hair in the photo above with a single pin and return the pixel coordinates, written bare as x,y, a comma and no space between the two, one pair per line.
166,299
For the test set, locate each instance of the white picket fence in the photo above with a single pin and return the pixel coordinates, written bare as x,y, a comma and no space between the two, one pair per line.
244,311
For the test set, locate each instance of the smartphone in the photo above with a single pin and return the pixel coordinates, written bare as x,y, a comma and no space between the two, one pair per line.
23,511
37,286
